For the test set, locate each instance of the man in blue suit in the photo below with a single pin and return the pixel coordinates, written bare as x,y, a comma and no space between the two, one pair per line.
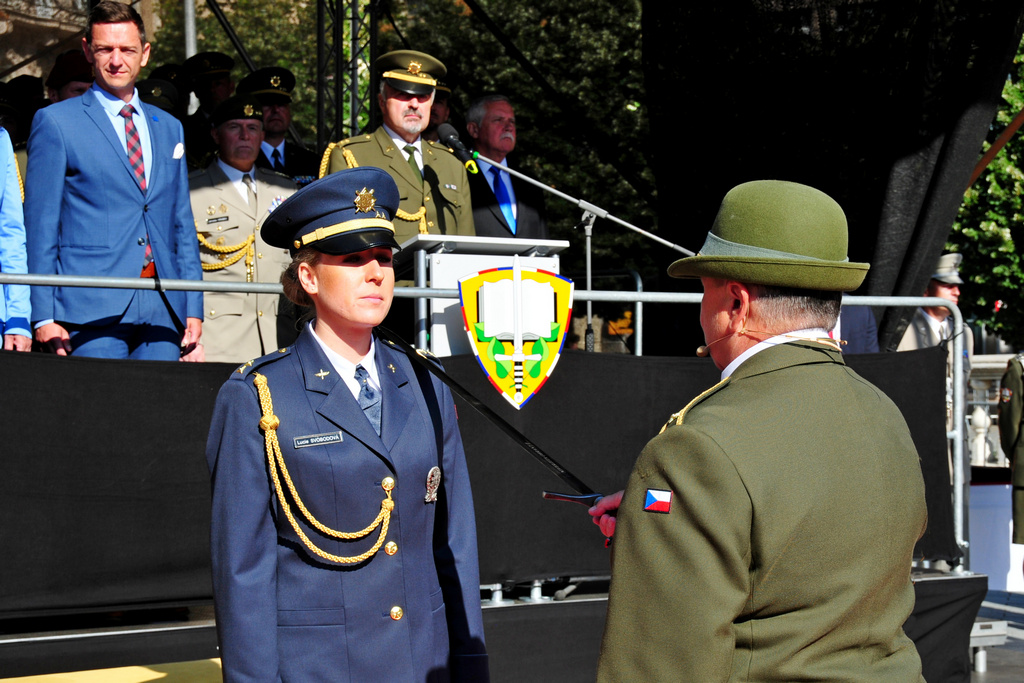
107,194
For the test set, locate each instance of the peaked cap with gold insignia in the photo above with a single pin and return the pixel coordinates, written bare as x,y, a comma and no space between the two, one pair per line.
341,213
409,71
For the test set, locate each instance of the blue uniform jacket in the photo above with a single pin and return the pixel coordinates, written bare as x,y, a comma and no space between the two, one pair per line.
283,614
86,214
14,303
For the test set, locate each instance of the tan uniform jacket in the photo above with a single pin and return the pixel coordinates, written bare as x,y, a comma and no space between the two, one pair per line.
238,326
441,203
1011,413
796,501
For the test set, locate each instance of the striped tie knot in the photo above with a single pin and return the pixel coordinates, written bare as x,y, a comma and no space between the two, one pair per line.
131,135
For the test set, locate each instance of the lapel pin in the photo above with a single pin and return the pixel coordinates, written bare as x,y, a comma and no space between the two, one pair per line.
323,373
391,368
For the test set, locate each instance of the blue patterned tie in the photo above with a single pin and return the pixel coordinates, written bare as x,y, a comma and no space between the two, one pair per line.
504,200
369,400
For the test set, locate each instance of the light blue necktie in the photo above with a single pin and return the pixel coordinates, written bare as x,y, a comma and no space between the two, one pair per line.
504,201
369,400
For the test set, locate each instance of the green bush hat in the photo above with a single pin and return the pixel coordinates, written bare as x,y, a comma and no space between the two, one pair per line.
777,233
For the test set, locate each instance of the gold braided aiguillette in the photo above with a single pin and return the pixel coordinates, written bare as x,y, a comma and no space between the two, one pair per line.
269,424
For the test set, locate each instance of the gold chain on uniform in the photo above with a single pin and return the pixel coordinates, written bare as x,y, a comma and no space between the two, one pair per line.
350,161
269,424
246,249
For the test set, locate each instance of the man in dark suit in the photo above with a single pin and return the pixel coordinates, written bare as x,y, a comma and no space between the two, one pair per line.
107,194
503,206
273,86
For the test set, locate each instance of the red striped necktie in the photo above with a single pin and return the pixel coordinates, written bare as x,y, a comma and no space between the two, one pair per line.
131,134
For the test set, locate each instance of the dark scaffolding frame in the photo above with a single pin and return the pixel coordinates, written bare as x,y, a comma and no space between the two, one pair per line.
345,48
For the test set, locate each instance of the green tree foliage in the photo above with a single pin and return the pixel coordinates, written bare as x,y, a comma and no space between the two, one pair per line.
989,229
274,33
589,144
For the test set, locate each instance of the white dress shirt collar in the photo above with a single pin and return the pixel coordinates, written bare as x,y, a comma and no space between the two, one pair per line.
347,369
787,338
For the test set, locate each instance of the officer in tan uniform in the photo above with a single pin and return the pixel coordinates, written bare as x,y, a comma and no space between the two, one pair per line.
434,191
230,200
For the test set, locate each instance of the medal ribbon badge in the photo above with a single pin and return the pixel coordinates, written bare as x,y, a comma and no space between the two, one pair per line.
516,319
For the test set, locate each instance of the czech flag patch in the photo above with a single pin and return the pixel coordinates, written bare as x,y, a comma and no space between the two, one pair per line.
658,501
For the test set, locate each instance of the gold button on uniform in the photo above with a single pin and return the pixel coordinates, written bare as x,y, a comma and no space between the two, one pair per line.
387,484
391,548
397,613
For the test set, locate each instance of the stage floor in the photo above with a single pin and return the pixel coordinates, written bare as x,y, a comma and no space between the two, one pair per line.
1005,663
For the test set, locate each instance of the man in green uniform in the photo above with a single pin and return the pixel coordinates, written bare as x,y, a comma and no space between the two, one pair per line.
1011,410
435,195
767,533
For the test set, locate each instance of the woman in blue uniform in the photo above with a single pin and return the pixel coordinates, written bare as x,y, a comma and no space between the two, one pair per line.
343,533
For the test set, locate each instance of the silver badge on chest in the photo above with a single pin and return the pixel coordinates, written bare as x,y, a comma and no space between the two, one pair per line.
433,483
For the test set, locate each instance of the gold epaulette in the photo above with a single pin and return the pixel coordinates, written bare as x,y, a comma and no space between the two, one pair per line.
676,419
21,183
275,460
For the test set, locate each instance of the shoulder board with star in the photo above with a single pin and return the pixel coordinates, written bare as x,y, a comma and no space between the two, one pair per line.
357,140
439,146
246,368
677,419
423,353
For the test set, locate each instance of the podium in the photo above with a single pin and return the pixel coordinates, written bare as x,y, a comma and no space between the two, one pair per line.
443,260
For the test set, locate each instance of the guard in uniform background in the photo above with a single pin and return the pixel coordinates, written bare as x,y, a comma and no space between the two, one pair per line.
1011,413
273,86
348,554
209,75
230,199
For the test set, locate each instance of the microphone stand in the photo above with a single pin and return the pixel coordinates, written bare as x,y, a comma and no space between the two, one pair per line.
591,212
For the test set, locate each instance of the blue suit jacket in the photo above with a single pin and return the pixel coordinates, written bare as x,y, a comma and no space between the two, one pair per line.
285,614
86,214
14,303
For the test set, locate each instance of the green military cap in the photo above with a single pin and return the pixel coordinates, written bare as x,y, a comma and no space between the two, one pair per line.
7,101
70,66
237,107
208,65
159,93
271,85
947,270
174,74
409,71
777,233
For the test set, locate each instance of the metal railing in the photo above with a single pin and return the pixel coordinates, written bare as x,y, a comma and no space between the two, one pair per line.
956,434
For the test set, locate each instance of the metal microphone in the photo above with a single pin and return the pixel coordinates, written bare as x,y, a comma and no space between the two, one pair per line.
447,134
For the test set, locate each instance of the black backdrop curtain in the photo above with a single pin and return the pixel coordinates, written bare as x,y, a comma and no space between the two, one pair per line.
104,502
883,105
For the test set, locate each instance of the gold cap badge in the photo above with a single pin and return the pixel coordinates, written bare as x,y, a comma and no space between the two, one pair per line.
158,91
275,81
365,201
247,110
414,68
